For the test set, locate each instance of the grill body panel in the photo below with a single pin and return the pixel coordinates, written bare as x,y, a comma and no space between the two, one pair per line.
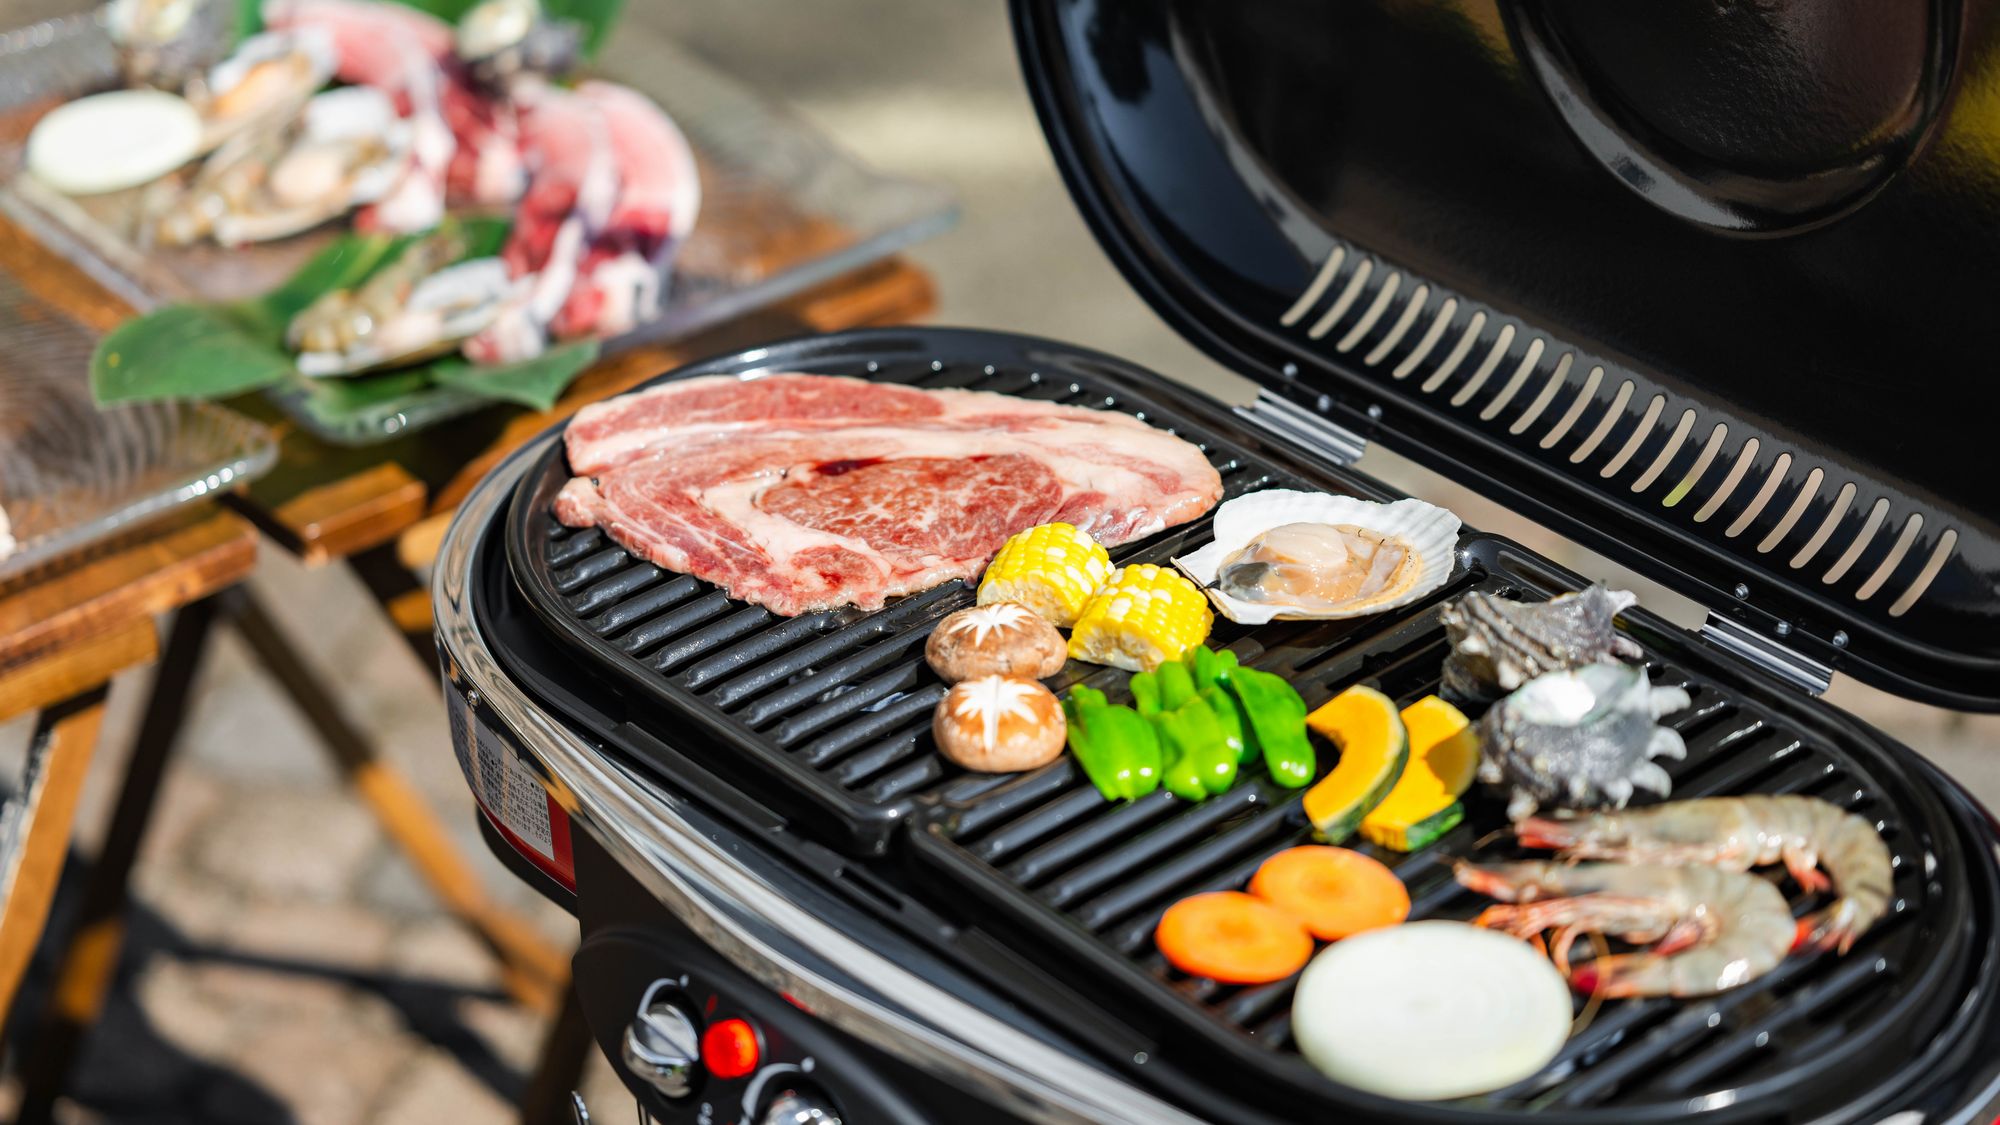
1039,887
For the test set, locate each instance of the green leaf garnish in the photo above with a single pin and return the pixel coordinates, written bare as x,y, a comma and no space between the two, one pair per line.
535,383
596,16
214,351
185,351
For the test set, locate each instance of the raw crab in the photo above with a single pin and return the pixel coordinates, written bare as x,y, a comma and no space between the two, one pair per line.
1497,645
1581,739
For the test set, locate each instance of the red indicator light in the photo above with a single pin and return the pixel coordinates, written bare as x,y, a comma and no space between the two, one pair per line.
729,1048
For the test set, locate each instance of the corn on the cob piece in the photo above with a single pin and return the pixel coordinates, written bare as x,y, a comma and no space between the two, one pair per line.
1052,569
1145,616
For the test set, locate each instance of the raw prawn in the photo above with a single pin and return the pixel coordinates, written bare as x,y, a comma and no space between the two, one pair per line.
1711,930
1808,835
418,306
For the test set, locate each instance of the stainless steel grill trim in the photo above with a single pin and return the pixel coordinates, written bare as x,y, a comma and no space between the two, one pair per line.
742,916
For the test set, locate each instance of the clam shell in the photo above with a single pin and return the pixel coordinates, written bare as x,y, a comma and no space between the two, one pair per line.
1430,531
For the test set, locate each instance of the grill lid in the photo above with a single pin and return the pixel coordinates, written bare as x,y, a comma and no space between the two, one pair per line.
1703,286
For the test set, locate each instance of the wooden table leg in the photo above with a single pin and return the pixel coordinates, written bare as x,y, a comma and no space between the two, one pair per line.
91,955
532,969
34,847
406,600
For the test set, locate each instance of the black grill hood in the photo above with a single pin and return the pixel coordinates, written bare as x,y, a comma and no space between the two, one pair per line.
1707,285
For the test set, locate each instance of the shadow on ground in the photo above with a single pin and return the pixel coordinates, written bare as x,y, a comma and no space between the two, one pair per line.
128,1072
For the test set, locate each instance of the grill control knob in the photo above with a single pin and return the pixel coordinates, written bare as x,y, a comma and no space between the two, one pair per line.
662,1047
796,1107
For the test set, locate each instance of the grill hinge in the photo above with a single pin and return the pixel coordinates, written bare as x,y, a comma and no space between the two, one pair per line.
1788,664
1292,423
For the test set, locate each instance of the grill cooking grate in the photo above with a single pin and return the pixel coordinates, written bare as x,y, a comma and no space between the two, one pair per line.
839,701
1090,881
837,706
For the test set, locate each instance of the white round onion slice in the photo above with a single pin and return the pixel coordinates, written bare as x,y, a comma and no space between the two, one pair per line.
1430,1010
108,142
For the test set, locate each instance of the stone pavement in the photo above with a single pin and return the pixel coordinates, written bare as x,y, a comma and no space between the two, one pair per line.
287,965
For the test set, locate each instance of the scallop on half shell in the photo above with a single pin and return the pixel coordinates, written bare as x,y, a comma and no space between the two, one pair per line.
1284,555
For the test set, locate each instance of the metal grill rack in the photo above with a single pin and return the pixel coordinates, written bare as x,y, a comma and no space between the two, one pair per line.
1084,883
838,702
825,717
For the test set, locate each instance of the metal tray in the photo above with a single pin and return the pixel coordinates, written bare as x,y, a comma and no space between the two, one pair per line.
72,474
783,209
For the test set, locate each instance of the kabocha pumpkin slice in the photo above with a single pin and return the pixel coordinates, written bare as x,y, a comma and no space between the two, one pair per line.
1444,759
1335,892
1374,748
1233,938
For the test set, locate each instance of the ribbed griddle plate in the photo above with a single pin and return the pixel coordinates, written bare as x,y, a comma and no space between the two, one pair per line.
836,704
836,707
1079,885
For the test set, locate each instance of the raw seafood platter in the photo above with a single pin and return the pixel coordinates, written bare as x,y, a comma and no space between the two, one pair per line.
385,218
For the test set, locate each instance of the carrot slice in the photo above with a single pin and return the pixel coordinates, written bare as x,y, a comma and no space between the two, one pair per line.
1234,938
1334,891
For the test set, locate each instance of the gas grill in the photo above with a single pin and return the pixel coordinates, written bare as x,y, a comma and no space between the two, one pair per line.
794,910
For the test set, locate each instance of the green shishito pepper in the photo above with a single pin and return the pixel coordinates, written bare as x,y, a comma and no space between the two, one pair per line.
1145,689
1201,762
1229,717
1276,717
1117,748
1210,668
1177,685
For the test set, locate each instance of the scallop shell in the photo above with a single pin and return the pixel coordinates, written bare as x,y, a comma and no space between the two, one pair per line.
1430,531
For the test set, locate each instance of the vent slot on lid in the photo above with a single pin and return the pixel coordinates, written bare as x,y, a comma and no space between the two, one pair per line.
1458,353
1548,394
1397,331
1430,339
1775,478
1493,357
1795,513
1633,444
1345,301
1576,408
1603,430
1515,381
1381,304
1667,453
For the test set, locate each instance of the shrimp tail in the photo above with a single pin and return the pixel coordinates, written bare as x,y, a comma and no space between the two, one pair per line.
1624,975
1544,832
1831,929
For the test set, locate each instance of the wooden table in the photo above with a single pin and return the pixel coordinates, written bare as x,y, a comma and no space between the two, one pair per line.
383,510
65,631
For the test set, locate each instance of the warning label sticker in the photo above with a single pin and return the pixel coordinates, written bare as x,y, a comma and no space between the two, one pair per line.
503,784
